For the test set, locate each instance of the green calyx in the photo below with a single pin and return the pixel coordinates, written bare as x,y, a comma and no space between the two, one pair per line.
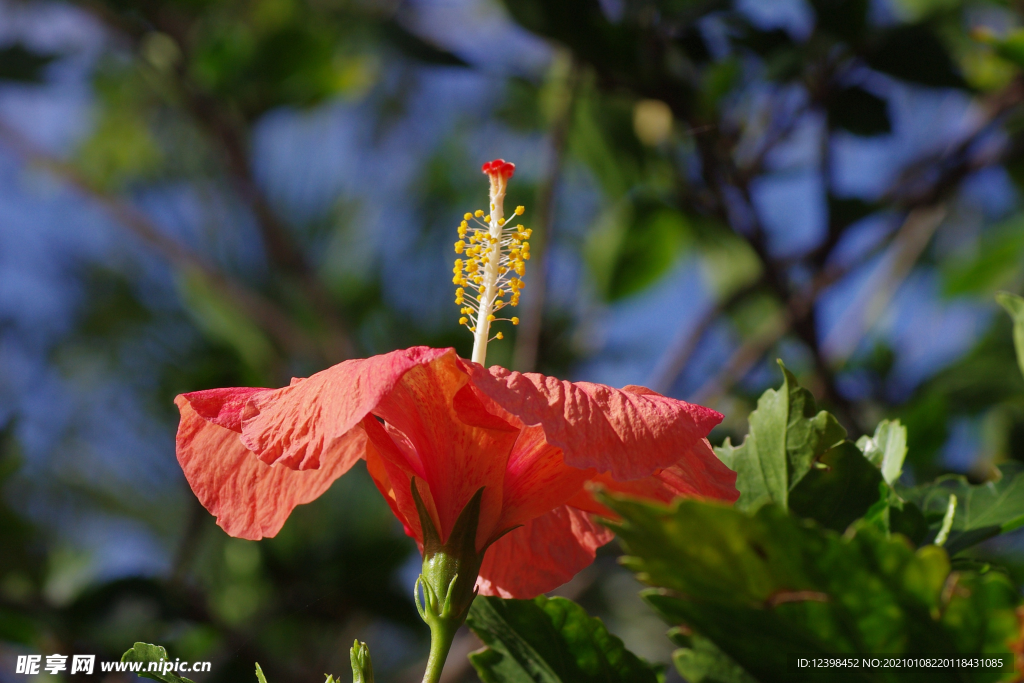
450,569
448,580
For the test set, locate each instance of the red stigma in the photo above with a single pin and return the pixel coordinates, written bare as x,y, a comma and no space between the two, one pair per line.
499,167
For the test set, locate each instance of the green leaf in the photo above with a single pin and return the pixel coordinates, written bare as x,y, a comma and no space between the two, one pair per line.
840,489
886,449
894,515
147,654
786,436
549,640
702,662
994,264
982,511
859,111
222,321
1010,47
648,249
1014,305
767,585
259,674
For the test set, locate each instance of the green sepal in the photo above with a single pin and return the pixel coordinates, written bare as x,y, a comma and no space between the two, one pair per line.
450,568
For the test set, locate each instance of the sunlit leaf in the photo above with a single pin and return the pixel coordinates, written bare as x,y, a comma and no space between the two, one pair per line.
152,654
886,449
786,436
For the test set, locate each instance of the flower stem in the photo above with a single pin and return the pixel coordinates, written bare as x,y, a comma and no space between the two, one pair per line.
442,633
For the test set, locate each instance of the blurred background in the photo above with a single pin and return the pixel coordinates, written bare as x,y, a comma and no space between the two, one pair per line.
203,193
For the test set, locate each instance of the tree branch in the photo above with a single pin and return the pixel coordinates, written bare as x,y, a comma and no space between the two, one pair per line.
531,319
263,311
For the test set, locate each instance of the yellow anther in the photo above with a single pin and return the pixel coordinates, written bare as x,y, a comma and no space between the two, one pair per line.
463,320
491,317
467,217
455,280
459,246
478,213
499,336
526,257
515,321
487,218
520,210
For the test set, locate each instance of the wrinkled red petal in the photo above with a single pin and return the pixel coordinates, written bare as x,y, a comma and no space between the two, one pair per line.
249,498
537,479
542,554
698,474
448,441
223,406
629,433
297,424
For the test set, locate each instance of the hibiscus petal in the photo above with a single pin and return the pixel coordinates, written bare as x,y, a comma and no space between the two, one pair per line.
223,407
629,433
297,424
452,450
537,479
542,554
250,498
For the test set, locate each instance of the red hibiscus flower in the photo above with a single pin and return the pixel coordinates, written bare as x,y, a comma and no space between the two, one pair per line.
442,436
487,469
530,442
